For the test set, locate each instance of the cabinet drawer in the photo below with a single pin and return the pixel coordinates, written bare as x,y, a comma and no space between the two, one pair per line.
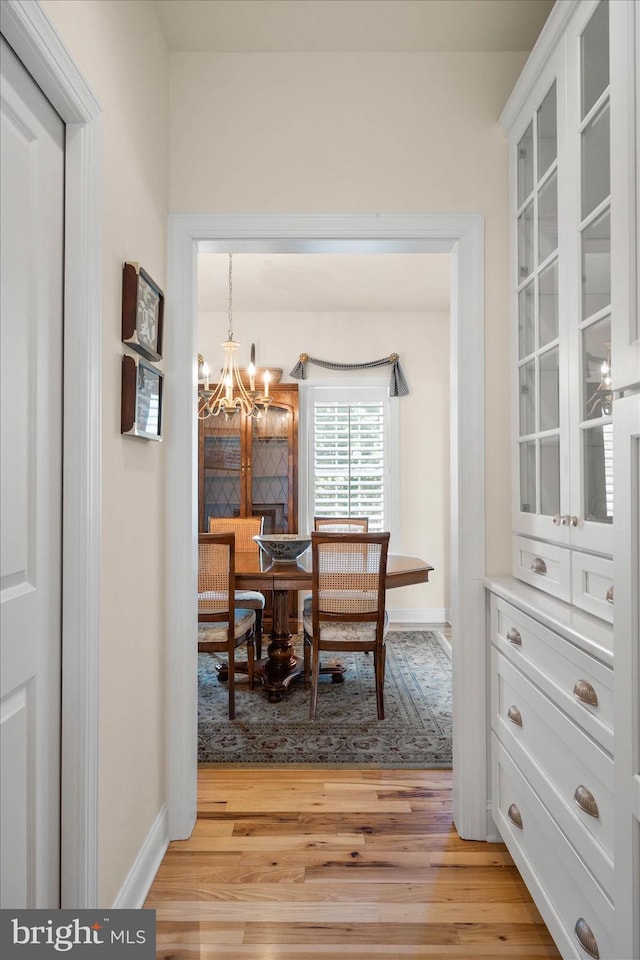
592,584
563,888
543,565
570,773
578,683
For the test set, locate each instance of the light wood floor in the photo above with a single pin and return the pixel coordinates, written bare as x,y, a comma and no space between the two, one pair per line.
331,864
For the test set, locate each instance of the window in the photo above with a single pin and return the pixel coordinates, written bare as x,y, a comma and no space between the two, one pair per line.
348,457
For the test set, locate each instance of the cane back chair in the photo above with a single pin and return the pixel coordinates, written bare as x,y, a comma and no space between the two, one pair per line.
347,603
341,524
221,627
245,528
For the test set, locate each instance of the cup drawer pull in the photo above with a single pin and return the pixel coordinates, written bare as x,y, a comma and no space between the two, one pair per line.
586,939
583,691
586,801
538,565
515,816
514,715
514,636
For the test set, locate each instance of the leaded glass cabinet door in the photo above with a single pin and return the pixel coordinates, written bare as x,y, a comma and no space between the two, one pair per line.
221,469
590,397
271,468
540,418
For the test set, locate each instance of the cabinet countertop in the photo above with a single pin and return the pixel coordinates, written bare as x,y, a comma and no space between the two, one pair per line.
592,635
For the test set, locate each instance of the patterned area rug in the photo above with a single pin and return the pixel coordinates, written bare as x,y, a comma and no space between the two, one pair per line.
416,731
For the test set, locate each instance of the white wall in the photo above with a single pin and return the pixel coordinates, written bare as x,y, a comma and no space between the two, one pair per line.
360,133
422,341
121,52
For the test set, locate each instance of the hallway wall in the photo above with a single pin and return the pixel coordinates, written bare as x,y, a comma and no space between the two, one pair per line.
121,52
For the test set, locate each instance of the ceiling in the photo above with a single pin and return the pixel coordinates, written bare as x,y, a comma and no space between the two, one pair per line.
350,26
328,283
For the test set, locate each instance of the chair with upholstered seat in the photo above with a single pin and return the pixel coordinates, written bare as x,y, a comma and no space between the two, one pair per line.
347,603
245,528
222,627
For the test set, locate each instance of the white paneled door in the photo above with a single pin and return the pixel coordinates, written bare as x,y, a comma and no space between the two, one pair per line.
32,214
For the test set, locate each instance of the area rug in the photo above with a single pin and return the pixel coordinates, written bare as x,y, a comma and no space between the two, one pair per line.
416,731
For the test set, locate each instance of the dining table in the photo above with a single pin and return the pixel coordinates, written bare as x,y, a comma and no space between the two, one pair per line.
256,571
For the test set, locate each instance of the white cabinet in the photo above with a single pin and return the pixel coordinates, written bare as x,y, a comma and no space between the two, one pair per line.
564,739
552,771
560,146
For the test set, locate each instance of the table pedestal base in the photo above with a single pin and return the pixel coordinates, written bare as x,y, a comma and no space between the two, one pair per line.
280,668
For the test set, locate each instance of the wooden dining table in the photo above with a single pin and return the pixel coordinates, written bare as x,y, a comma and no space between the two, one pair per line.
281,666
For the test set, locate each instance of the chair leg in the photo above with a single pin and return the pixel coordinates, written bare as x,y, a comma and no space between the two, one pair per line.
315,677
258,634
306,653
232,683
379,662
250,657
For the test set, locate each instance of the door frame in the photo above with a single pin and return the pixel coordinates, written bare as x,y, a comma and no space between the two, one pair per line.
462,236
28,31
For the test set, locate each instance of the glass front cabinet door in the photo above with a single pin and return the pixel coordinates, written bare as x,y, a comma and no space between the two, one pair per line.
249,467
561,197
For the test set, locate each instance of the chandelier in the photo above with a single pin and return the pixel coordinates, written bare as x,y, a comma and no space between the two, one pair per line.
230,395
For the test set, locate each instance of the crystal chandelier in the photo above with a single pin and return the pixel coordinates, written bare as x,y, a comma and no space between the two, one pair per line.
230,394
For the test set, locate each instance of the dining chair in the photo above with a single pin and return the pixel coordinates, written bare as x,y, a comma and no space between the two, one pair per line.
336,525
218,630
341,524
347,603
245,528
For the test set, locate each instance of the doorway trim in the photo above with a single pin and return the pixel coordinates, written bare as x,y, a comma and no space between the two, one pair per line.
462,236
29,32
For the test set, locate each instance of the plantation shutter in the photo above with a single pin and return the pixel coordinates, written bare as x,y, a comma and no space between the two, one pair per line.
349,460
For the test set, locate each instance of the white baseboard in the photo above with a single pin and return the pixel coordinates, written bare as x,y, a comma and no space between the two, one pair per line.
425,616
135,888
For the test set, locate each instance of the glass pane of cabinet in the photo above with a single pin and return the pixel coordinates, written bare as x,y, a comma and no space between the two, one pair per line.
222,471
527,391
550,476
526,321
596,369
548,219
525,242
595,57
549,391
596,178
270,449
547,132
596,265
548,303
525,165
528,477
598,473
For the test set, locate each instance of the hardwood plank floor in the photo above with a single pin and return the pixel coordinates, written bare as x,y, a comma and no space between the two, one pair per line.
330,864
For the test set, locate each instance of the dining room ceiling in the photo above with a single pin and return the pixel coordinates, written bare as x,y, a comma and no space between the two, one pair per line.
351,26
325,283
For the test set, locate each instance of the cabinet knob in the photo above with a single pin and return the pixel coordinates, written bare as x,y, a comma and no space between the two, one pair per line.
586,939
515,816
569,521
514,715
538,565
556,519
582,690
514,636
586,801
609,595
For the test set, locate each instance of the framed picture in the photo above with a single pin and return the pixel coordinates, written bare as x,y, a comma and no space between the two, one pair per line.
141,414
142,311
